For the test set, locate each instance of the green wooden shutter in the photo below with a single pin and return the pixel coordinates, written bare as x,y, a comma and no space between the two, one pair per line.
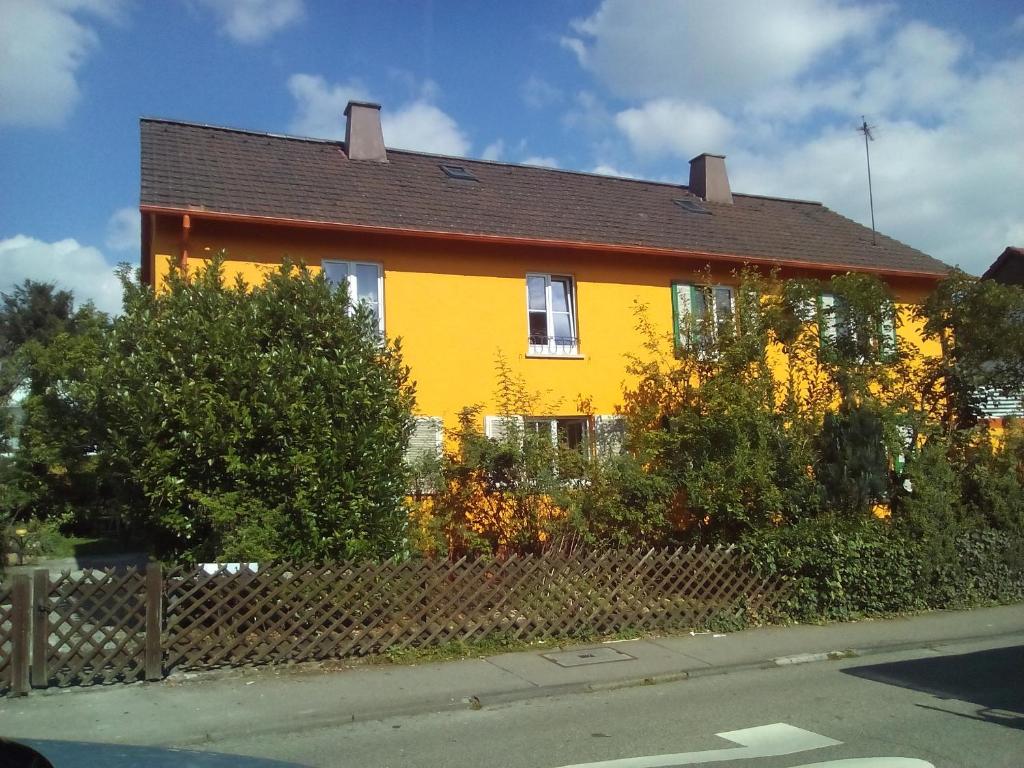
682,300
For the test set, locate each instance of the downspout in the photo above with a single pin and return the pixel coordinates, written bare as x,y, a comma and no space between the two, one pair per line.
186,229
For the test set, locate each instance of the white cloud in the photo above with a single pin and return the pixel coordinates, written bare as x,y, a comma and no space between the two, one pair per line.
418,124
545,161
321,105
948,152
425,127
712,51
43,43
538,92
72,266
253,21
124,230
676,127
605,169
1018,24
494,151
941,189
587,113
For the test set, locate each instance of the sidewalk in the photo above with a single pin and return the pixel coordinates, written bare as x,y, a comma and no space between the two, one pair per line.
209,708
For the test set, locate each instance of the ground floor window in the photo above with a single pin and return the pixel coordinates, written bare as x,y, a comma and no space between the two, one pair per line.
565,432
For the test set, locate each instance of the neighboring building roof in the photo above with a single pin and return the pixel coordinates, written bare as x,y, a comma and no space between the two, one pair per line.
226,171
1008,268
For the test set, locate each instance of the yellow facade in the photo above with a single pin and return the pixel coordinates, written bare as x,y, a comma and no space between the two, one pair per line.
458,305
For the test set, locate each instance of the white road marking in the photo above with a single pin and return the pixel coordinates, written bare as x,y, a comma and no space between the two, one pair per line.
763,741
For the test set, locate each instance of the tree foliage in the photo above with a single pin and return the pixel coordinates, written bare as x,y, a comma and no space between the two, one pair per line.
48,353
980,325
256,422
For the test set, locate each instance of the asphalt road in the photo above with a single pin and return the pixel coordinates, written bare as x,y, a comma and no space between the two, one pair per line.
958,709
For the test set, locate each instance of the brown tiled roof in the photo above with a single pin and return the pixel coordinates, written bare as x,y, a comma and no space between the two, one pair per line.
227,171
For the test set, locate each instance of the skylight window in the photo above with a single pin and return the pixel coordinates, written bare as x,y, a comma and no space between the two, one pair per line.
692,206
458,172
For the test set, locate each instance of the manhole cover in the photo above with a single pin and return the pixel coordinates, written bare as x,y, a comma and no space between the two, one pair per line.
587,656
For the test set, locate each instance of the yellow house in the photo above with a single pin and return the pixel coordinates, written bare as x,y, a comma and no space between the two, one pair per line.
467,259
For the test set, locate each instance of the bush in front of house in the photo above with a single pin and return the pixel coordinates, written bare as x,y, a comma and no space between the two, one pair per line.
253,423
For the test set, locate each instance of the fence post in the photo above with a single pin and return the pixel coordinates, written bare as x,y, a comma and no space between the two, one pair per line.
40,627
154,621
21,616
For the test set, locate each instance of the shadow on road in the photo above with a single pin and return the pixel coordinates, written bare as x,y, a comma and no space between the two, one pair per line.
991,680
83,754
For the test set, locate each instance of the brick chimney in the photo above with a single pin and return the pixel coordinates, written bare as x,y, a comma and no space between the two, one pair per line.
708,179
364,139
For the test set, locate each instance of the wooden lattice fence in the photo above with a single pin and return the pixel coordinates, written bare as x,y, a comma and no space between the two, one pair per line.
288,612
96,627
6,637
89,627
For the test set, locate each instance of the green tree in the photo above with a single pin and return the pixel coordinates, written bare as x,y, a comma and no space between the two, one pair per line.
33,311
980,325
853,461
260,422
47,346
56,466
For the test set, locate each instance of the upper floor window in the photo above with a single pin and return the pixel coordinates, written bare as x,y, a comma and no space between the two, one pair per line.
701,313
365,283
859,339
551,315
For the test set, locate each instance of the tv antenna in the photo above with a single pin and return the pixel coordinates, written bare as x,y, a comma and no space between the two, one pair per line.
869,136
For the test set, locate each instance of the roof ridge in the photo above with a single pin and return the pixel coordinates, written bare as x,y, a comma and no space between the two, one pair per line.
232,129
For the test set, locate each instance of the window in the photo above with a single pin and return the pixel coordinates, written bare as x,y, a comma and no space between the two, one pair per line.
839,329
701,313
365,283
692,206
551,315
458,172
565,432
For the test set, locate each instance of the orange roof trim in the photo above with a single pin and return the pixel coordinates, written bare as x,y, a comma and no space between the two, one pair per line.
513,240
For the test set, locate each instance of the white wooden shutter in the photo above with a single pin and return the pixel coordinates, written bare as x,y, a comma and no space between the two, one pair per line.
888,334
995,405
610,435
499,427
828,321
426,438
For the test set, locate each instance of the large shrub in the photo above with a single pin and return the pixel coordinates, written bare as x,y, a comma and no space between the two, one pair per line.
840,569
256,422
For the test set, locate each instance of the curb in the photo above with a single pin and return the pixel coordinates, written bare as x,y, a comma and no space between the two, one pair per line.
787,661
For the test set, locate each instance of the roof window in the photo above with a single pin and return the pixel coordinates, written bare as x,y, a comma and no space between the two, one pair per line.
692,206
458,172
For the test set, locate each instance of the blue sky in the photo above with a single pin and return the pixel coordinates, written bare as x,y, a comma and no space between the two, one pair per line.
615,87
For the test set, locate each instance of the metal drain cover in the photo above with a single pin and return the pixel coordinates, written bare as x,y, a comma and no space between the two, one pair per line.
587,656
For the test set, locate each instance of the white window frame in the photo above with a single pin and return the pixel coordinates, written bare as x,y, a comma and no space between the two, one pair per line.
831,326
552,424
352,285
552,348
684,308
